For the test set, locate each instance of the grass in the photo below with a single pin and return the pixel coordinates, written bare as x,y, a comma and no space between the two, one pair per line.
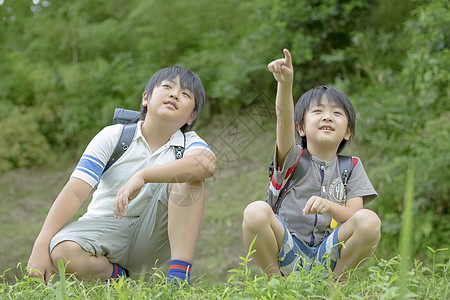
222,267
379,281
405,237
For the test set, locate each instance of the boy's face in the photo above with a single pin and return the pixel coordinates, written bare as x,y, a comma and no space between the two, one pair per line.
324,124
171,102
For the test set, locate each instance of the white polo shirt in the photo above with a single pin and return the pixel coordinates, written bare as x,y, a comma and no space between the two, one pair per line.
137,157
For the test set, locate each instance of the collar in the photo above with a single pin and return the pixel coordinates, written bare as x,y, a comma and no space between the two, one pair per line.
323,162
177,139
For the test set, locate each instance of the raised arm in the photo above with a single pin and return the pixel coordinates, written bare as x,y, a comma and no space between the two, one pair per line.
66,204
197,164
283,72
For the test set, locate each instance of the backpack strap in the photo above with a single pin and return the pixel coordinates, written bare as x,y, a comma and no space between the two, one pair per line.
126,137
345,163
301,168
298,173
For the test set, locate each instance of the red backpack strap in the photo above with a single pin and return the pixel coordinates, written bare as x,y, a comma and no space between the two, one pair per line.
297,174
355,162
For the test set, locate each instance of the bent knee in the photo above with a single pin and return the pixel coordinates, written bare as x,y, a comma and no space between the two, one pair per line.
177,187
186,193
257,209
367,223
64,251
198,184
256,214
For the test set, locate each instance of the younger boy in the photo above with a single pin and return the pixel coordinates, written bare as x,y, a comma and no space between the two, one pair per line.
148,206
299,235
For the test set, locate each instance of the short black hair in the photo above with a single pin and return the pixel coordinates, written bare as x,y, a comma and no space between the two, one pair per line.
188,80
335,97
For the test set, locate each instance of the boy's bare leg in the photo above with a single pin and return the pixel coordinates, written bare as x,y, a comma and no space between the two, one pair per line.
360,235
260,222
186,211
80,262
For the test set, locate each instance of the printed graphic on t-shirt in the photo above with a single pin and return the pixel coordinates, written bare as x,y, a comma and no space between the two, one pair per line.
337,191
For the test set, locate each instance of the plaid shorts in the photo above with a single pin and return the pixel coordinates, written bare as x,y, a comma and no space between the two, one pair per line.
294,254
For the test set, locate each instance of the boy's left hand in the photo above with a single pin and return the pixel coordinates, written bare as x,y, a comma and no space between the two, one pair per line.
316,205
282,68
127,193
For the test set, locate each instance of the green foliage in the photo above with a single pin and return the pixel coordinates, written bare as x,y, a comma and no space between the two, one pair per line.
403,118
93,56
379,281
66,65
405,236
240,276
23,143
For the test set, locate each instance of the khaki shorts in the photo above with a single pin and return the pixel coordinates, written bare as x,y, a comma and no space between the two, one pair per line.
136,243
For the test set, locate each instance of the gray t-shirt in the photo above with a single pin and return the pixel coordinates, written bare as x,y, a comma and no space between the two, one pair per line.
322,179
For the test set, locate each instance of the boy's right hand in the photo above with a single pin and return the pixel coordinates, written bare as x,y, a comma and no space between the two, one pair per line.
282,68
40,266
127,193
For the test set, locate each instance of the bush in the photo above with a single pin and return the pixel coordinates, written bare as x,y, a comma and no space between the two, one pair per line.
23,144
402,121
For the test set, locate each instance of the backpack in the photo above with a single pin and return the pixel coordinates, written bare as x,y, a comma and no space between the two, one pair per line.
130,118
345,168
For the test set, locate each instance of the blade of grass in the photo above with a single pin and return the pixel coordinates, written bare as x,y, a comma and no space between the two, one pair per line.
405,235
61,289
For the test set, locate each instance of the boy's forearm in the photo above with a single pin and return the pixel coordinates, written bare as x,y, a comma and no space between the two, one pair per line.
284,105
341,213
285,119
190,168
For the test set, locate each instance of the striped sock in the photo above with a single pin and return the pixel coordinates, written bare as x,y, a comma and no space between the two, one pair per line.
179,270
118,271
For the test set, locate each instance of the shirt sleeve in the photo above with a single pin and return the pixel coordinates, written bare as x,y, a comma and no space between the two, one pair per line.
193,141
96,155
359,184
281,174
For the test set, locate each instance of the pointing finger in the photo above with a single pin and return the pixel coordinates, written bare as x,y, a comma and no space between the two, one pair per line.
287,57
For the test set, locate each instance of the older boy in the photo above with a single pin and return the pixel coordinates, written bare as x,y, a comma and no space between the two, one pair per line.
148,206
301,234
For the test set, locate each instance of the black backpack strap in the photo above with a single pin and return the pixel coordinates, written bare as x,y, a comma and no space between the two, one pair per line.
345,169
126,137
298,173
125,116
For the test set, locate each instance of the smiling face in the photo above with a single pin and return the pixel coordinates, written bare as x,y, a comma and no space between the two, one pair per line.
328,97
171,102
324,125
